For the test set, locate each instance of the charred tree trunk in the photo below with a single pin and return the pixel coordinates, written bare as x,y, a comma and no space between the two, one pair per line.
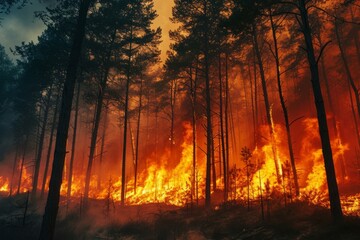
266,101
252,104
172,116
213,165
283,105
126,110
97,118
208,112
14,169
335,204
73,143
41,145
23,161
95,130
256,101
194,101
227,120
222,133
138,135
53,125
52,204
102,147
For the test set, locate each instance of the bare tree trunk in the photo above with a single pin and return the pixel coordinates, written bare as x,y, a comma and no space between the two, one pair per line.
172,116
53,125
52,204
102,147
227,92
14,169
138,135
95,130
208,112
256,101
252,104
213,165
41,145
222,133
23,161
335,204
283,106
73,143
194,102
128,79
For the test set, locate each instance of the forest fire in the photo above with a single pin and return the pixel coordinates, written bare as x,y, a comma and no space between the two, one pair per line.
246,115
173,186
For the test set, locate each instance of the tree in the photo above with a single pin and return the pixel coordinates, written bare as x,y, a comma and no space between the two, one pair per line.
52,204
198,20
138,36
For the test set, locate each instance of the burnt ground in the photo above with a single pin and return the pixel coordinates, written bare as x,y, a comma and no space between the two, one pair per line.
107,220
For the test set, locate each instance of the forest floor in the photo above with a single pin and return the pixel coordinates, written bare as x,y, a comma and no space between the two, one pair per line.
106,220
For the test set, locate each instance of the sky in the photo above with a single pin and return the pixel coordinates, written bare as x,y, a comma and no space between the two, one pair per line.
22,26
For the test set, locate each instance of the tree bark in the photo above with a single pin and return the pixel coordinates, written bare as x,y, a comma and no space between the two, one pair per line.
52,204
334,198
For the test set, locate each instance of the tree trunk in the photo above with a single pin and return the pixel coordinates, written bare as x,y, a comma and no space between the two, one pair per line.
208,112
267,103
95,130
222,134
102,147
335,204
52,204
41,145
194,101
128,79
138,135
172,127
14,169
283,106
50,146
23,162
252,104
227,119
213,165
73,143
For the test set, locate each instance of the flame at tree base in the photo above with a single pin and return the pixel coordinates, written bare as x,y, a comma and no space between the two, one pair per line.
159,184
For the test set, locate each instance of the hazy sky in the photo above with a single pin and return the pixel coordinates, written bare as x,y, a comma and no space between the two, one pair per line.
22,26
